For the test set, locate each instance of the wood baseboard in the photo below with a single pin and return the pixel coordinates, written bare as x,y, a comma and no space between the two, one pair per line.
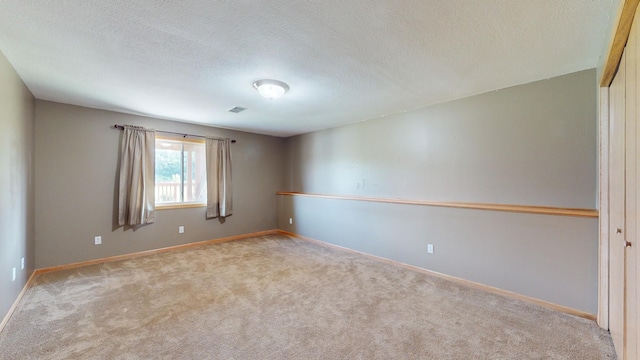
472,284
152,252
464,282
13,307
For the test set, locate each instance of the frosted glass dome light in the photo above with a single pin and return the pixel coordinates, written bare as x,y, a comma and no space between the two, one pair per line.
271,89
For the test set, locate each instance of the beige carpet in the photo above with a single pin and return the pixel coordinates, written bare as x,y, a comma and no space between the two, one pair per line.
274,297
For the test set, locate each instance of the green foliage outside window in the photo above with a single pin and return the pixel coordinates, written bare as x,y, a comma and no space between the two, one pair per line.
167,165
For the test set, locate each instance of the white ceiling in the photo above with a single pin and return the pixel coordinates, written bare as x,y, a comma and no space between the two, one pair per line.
345,61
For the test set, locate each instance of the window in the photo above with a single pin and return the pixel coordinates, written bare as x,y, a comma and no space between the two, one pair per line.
180,173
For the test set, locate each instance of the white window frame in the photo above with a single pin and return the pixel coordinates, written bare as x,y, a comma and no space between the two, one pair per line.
181,204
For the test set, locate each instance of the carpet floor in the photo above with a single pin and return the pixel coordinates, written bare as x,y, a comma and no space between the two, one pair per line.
276,297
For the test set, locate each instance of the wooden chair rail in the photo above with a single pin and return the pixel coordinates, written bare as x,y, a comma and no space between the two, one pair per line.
545,210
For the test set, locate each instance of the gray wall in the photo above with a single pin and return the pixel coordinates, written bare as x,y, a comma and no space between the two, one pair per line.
533,144
75,183
16,184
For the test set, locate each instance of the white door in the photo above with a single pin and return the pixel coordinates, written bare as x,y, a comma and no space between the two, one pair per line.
617,208
629,241
624,112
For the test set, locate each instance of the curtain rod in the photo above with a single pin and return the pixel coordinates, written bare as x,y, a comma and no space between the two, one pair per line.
121,127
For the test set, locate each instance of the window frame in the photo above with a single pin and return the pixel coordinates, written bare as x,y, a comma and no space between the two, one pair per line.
180,205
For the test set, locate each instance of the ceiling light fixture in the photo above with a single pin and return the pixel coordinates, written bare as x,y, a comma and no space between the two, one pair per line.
271,89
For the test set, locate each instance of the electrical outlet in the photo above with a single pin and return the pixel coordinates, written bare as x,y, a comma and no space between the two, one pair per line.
180,229
430,248
290,221
14,274
22,264
97,240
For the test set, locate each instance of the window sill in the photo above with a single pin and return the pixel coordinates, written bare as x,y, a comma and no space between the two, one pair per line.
179,206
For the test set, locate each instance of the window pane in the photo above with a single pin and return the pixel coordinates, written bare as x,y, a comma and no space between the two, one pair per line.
180,172
168,174
195,182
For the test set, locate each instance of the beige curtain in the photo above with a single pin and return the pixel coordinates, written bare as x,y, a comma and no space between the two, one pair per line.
219,190
136,197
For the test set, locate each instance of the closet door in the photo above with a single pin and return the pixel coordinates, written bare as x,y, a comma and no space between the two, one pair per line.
624,141
630,234
617,207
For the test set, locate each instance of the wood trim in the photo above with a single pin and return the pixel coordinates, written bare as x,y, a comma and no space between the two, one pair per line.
179,206
544,210
454,279
634,251
603,207
625,20
179,138
152,252
13,307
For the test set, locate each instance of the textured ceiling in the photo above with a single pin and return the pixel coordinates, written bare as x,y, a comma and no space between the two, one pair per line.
345,61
